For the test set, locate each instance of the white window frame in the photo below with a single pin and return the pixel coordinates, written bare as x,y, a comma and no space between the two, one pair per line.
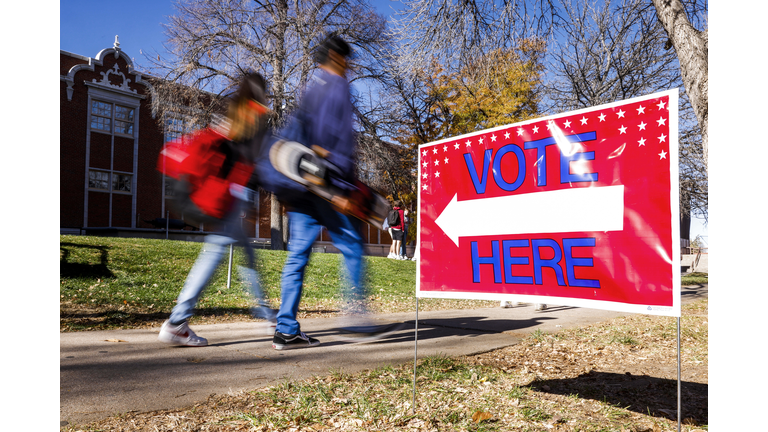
127,100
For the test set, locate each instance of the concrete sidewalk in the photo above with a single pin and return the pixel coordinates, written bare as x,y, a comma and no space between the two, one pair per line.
105,373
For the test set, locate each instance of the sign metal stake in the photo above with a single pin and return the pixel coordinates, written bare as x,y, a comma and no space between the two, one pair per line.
679,407
229,271
415,356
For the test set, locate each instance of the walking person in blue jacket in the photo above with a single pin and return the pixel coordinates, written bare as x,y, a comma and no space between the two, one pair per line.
325,119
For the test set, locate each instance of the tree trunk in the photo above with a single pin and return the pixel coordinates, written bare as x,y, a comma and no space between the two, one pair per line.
276,223
692,48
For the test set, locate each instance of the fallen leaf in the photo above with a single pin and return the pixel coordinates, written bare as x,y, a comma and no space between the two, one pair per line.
479,416
114,340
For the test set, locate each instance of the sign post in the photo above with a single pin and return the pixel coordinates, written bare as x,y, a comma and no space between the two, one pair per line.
575,209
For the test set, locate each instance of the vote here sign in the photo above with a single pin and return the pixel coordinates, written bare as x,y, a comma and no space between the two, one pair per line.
576,209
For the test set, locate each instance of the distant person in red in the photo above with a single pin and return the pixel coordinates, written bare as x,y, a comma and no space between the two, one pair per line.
397,233
212,184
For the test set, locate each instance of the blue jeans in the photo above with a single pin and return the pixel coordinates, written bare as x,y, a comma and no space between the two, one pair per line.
305,222
214,250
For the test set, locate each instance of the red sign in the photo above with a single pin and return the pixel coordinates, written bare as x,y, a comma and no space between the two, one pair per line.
577,209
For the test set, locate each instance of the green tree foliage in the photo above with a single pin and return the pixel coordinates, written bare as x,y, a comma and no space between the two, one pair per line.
500,87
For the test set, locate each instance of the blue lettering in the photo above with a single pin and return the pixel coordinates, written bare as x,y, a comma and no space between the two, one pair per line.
571,262
539,263
541,156
510,260
498,178
479,183
495,259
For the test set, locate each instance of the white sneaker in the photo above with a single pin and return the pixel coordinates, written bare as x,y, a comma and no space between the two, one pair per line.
540,307
180,335
391,256
266,328
509,304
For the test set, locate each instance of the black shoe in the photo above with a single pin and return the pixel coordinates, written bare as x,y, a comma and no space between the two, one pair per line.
283,341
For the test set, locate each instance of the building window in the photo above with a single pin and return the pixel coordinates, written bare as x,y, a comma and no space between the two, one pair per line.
123,120
175,127
101,116
170,192
98,180
121,182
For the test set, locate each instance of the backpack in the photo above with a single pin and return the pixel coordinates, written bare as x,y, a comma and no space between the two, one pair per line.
205,169
393,218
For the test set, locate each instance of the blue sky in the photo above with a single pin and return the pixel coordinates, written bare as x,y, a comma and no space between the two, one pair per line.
88,26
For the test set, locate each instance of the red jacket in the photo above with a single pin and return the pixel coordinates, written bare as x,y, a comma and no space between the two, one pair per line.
197,157
402,219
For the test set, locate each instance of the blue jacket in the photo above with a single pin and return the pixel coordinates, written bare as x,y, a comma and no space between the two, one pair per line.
326,111
323,118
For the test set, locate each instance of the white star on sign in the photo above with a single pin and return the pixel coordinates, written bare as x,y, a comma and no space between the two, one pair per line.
424,175
445,148
663,155
602,117
425,164
437,173
480,141
446,161
583,120
456,146
662,138
567,123
535,129
434,150
661,105
620,113
642,141
424,186
641,110
641,126
622,130
437,162
468,143
424,153
661,121
493,137
520,132
550,124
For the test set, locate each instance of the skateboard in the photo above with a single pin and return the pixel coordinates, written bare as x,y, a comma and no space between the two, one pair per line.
310,168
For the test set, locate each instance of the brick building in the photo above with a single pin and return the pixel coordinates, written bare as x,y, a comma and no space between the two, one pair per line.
109,142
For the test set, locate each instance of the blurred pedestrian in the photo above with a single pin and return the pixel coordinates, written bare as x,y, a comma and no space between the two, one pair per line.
324,119
216,187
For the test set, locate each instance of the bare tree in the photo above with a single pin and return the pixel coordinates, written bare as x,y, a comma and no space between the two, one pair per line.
212,43
692,48
607,51
456,31
614,50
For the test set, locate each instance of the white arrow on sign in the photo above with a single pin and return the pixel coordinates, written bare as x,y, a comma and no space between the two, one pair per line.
565,210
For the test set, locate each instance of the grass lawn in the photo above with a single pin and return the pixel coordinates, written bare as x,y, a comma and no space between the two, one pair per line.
109,282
